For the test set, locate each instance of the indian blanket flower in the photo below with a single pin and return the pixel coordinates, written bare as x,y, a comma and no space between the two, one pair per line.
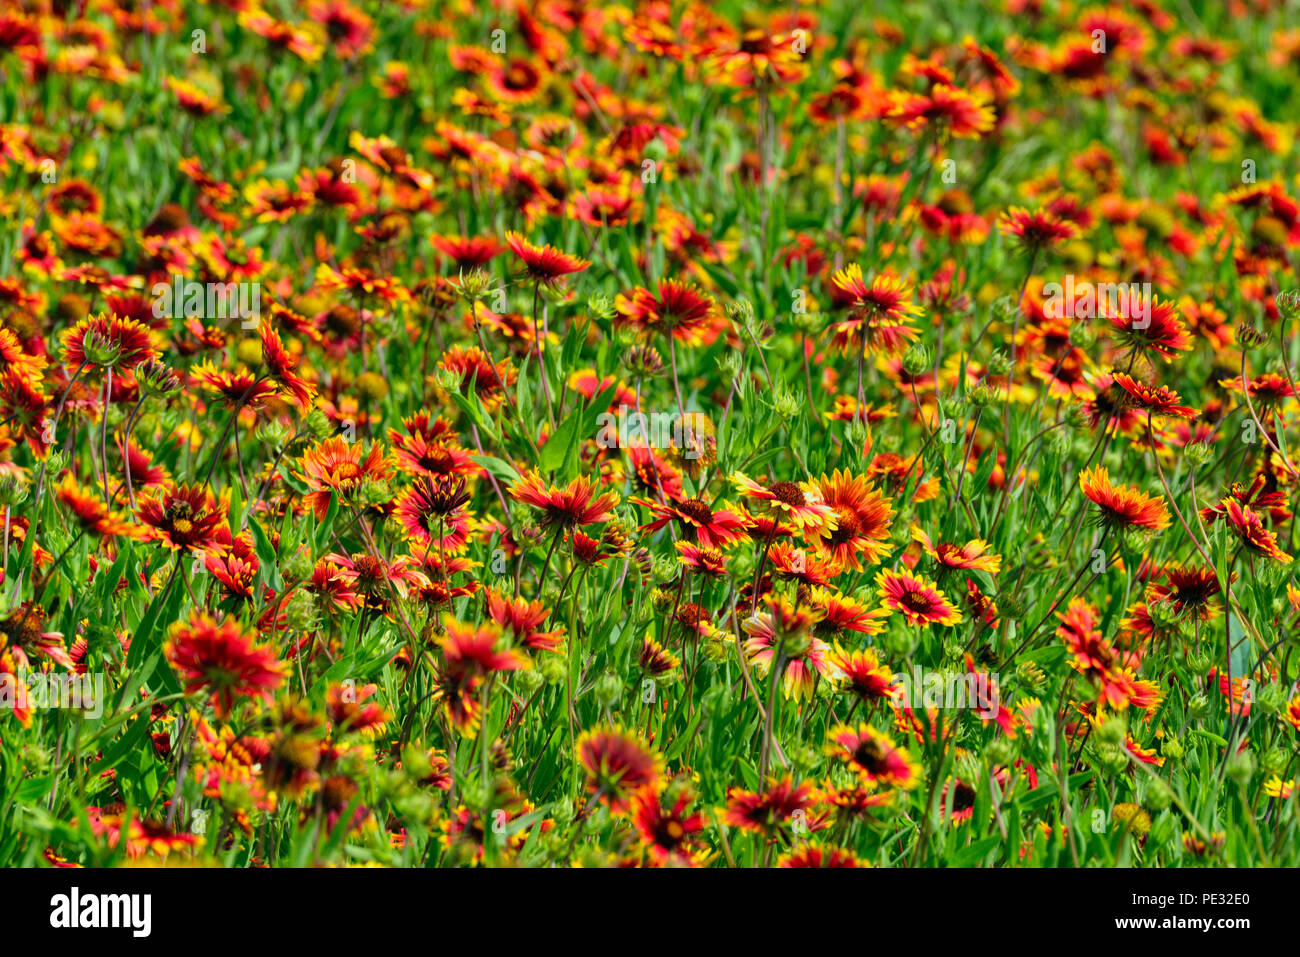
1122,506
712,527
973,555
1037,229
879,313
336,466
800,502
523,620
1150,327
677,309
91,514
921,602
768,810
1248,526
781,634
666,829
470,654
186,517
576,504
617,767
544,264
863,675
863,514
945,108
223,660
432,514
108,341
873,757
1156,400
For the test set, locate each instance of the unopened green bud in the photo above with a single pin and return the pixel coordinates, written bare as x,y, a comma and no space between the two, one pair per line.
318,424
1159,797
1112,731
917,359
1242,768
608,688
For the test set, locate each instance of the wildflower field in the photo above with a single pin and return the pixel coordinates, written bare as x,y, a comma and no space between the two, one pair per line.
544,433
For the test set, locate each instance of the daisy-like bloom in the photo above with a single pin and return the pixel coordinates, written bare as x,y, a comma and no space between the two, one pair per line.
944,107
23,634
1292,713
813,855
350,30
574,505
429,447
841,615
655,660
335,465
705,561
477,371
1157,400
222,660
108,341
1121,688
1092,654
713,528
618,766
679,309
764,812
480,650
1267,390
1189,590
240,389
1153,328
234,563
193,99
1036,230
1277,788
523,619
467,252
800,502
974,554
788,626
91,514
350,712
516,81
664,826
375,580
1246,523
185,517
363,284
873,757
879,313
544,264
863,674
920,601
431,513
860,534
792,563
470,654
1145,755
1123,506
279,367
142,837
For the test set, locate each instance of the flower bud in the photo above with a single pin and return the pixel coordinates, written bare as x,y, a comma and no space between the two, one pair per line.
157,379
917,359
1159,797
1197,453
1241,768
608,688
